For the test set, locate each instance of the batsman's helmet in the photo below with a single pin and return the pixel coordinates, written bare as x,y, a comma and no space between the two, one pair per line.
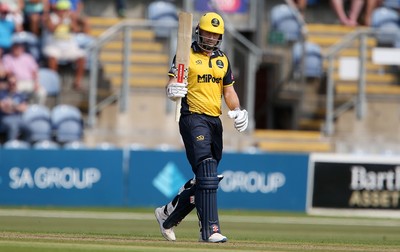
210,22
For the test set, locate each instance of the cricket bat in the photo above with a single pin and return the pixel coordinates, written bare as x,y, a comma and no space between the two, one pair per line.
184,43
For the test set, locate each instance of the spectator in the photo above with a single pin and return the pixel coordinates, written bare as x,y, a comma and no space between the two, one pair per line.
301,5
120,7
25,69
77,10
33,12
3,78
15,13
355,10
62,26
12,106
7,28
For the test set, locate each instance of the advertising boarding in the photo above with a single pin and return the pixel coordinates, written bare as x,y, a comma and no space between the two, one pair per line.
61,177
251,181
354,183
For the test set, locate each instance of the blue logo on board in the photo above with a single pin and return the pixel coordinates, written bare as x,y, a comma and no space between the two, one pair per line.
169,180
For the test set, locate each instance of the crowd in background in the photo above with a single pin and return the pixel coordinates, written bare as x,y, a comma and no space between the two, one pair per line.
36,34
42,33
352,12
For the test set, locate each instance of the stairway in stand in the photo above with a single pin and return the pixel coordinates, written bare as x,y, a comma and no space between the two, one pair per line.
381,82
149,61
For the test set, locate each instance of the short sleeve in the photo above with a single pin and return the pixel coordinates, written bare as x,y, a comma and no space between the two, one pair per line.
228,78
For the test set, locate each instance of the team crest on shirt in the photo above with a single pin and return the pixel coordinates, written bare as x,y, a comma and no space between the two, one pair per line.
220,64
199,62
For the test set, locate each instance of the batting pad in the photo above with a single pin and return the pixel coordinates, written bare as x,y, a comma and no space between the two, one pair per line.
206,197
183,205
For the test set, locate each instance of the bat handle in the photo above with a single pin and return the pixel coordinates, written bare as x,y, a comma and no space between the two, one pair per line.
178,109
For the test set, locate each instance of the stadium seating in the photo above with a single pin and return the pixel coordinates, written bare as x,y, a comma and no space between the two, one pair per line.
85,41
36,120
67,123
51,82
395,4
16,144
313,59
46,145
386,20
284,20
291,141
74,145
162,11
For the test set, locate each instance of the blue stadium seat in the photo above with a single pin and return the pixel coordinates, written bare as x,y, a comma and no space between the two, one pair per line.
395,4
313,59
37,124
46,145
16,144
51,82
85,41
74,145
67,123
162,11
283,20
386,19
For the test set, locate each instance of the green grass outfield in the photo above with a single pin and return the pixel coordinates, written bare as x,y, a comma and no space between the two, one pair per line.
62,230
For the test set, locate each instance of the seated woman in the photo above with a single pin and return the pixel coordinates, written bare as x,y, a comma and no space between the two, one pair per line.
25,69
60,44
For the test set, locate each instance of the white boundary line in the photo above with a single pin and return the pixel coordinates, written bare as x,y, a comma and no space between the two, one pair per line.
301,220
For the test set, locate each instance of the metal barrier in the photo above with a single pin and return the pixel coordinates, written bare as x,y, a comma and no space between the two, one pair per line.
359,101
126,27
252,56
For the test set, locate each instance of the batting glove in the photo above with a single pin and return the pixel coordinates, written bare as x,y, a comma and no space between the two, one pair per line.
176,90
241,119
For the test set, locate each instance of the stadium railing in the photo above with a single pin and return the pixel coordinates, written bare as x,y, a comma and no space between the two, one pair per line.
359,100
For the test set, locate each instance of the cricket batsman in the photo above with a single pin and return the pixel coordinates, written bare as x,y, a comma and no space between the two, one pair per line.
209,80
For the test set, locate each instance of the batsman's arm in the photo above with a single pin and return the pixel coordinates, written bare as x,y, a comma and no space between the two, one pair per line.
239,115
231,98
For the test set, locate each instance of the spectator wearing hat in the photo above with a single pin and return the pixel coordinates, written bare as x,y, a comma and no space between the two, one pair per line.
77,10
7,28
62,26
25,69
15,13
12,106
